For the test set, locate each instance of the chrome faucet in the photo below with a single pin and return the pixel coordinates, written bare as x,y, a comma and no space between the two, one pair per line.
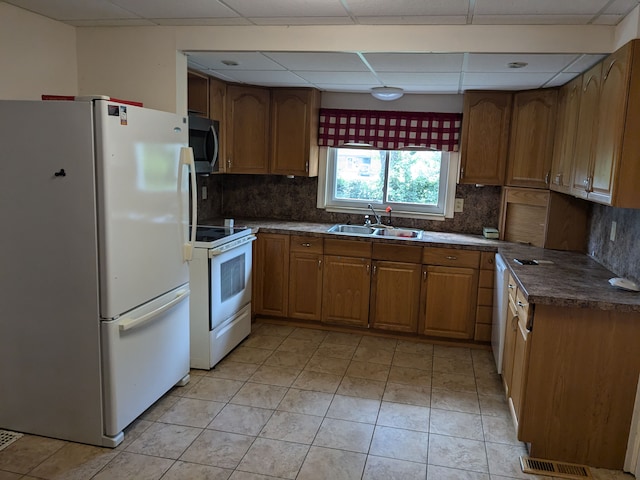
376,216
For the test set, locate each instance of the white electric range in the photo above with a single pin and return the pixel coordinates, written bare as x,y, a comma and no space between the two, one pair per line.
220,304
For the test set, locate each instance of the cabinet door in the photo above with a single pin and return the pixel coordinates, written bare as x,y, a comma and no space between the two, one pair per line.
449,299
565,139
395,296
587,125
518,376
271,274
294,131
247,130
198,93
485,137
305,286
345,290
531,143
611,119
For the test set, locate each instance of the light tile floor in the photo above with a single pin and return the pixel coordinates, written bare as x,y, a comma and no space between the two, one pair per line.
305,404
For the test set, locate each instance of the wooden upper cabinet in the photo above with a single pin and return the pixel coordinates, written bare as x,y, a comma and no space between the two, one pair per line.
532,135
294,131
198,93
247,129
565,138
612,109
485,137
587,125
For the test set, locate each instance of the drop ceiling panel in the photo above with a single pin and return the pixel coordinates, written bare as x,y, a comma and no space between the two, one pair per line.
349,88
176,8
539,7
288,8
584,62
561,79
245,61
415,62
202,22
621,7
512,81
414,20
345,20
532,19
391,79
345,78
319,61
265,78
480,62
407,7
75,9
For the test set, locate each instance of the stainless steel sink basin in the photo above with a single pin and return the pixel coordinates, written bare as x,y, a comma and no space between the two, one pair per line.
375,231
398,233
359,229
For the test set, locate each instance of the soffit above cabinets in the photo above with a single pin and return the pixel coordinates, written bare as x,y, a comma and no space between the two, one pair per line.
359,71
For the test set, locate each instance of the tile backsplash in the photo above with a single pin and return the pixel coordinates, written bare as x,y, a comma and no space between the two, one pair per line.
282,198
621,256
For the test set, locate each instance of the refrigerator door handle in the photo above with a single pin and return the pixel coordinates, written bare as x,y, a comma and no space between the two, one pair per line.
129,323
186,158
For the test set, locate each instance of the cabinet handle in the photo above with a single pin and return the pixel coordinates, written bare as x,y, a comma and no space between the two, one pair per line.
520,304
229,162
547,177
368,269
461,172
306,166
451,257
375,270
511,286
424,275
558,179
319,264
305,244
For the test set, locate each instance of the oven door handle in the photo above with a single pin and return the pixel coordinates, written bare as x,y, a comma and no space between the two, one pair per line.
214,252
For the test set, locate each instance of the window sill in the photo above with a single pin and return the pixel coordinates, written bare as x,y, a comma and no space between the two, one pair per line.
395,214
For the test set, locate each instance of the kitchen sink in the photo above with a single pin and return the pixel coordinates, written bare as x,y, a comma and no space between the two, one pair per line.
398,233
359,229
376,232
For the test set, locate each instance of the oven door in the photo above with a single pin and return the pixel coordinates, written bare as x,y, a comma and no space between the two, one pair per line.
230,274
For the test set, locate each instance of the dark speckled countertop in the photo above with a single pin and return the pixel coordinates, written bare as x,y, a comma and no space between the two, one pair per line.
572,280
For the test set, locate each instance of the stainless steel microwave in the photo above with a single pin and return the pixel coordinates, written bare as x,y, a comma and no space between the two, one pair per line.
204,137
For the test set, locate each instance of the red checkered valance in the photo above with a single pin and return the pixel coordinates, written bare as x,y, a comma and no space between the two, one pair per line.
389,130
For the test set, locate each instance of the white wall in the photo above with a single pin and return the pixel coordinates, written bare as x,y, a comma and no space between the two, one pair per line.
37,55
133,63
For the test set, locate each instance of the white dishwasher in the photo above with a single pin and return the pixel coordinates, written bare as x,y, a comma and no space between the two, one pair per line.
500,305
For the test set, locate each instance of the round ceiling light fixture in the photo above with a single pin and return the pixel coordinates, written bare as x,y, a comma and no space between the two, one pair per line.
387,93
517,64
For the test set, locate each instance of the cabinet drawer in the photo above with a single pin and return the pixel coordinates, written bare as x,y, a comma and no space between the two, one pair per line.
522,306
512,286
451,257
487,261
300,243
347,248
397,253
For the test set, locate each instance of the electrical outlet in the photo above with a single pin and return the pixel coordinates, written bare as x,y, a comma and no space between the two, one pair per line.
458,205
203,191
612,235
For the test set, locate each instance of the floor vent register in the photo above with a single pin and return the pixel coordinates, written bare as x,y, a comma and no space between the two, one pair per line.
554,469
7,438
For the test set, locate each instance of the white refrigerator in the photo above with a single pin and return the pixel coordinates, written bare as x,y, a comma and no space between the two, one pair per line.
94,278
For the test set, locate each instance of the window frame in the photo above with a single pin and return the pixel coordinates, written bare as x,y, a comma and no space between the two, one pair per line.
448,181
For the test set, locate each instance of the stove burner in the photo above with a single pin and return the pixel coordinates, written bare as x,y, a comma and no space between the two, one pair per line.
212,236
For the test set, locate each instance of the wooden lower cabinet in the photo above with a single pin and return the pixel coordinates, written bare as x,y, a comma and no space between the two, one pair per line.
345,290
305,278
449,300
395,296
271,275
